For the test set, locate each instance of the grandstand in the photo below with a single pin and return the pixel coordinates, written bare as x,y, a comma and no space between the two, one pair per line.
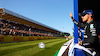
13,24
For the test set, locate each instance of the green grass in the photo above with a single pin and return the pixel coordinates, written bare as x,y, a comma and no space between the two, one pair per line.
30,48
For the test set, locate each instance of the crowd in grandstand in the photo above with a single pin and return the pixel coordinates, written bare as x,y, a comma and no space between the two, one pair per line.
9,28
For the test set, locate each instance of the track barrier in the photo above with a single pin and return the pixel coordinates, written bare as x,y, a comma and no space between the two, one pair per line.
23,38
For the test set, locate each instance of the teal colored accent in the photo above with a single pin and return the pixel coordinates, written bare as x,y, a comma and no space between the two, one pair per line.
91,26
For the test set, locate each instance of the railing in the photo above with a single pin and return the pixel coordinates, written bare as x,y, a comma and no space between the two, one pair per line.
64,49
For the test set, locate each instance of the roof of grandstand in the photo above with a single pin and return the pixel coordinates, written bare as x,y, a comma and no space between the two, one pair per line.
14,17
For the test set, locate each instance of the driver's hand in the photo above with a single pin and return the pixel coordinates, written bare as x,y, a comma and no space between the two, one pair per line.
71,14
80,42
